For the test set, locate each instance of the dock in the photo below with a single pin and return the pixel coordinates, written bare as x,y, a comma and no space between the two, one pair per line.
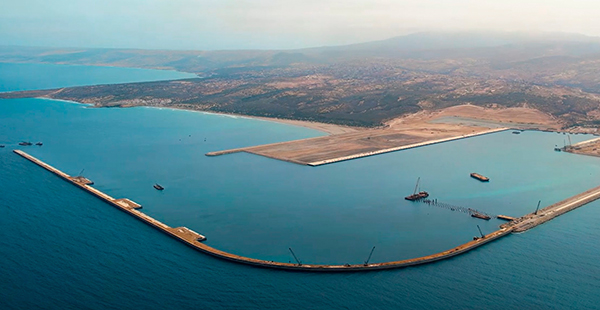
196,240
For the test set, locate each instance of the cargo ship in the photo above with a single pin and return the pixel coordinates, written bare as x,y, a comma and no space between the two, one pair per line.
480,177
417,195
158,187
480,216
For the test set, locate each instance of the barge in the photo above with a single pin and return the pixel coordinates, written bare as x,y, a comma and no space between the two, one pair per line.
479,177
481,216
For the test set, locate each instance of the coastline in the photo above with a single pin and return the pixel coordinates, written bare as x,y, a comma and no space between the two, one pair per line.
419,119
330,129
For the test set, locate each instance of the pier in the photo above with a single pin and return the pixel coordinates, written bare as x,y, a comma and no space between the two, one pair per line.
195,240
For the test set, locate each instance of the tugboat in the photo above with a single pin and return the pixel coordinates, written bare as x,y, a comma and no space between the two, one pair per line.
417,195
39,144
158,187
24,143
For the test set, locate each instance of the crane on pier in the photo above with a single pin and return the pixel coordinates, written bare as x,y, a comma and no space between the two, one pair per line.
481,233
538,207
296,258
368,259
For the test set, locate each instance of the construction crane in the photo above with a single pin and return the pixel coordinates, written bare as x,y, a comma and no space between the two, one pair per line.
296,258
368,259
417,185
538,207
482,235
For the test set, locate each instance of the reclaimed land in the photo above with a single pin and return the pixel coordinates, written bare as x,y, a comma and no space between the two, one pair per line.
195,240
331,149
406,132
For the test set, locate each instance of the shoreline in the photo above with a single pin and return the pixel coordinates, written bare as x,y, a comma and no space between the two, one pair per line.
330,129
422,117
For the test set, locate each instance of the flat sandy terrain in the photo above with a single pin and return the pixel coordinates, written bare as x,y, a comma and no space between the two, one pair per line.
523,118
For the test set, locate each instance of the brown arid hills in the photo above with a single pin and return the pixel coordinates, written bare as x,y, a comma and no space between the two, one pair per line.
367,85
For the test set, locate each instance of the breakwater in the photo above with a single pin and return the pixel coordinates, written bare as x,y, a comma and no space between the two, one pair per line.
195,240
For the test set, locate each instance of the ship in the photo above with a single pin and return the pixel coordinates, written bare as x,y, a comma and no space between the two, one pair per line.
417,195
479,177
39,144
480,216
24,143
516,132
158,187
1,145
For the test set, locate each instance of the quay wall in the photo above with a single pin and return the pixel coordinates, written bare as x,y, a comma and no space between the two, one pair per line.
404,147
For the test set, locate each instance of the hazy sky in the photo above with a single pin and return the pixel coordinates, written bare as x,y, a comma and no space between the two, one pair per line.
262,24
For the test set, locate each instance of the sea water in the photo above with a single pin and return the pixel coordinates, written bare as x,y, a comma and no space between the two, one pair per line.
63,248
29,76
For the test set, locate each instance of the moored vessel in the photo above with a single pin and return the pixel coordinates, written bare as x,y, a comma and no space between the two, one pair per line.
417,195
25,143
158,187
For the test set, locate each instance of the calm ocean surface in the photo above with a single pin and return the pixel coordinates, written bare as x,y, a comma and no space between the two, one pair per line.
62,248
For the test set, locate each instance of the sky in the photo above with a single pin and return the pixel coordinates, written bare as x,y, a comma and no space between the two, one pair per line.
268,24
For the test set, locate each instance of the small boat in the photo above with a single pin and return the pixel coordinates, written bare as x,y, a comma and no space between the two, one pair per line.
557,149
1,145
417,195
158,187
39,144
516,132
479,177
25,143
480,216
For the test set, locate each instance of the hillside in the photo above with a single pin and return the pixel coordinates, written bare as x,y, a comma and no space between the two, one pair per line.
361,84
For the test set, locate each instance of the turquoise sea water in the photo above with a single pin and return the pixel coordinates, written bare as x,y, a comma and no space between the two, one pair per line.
62,248
26,76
